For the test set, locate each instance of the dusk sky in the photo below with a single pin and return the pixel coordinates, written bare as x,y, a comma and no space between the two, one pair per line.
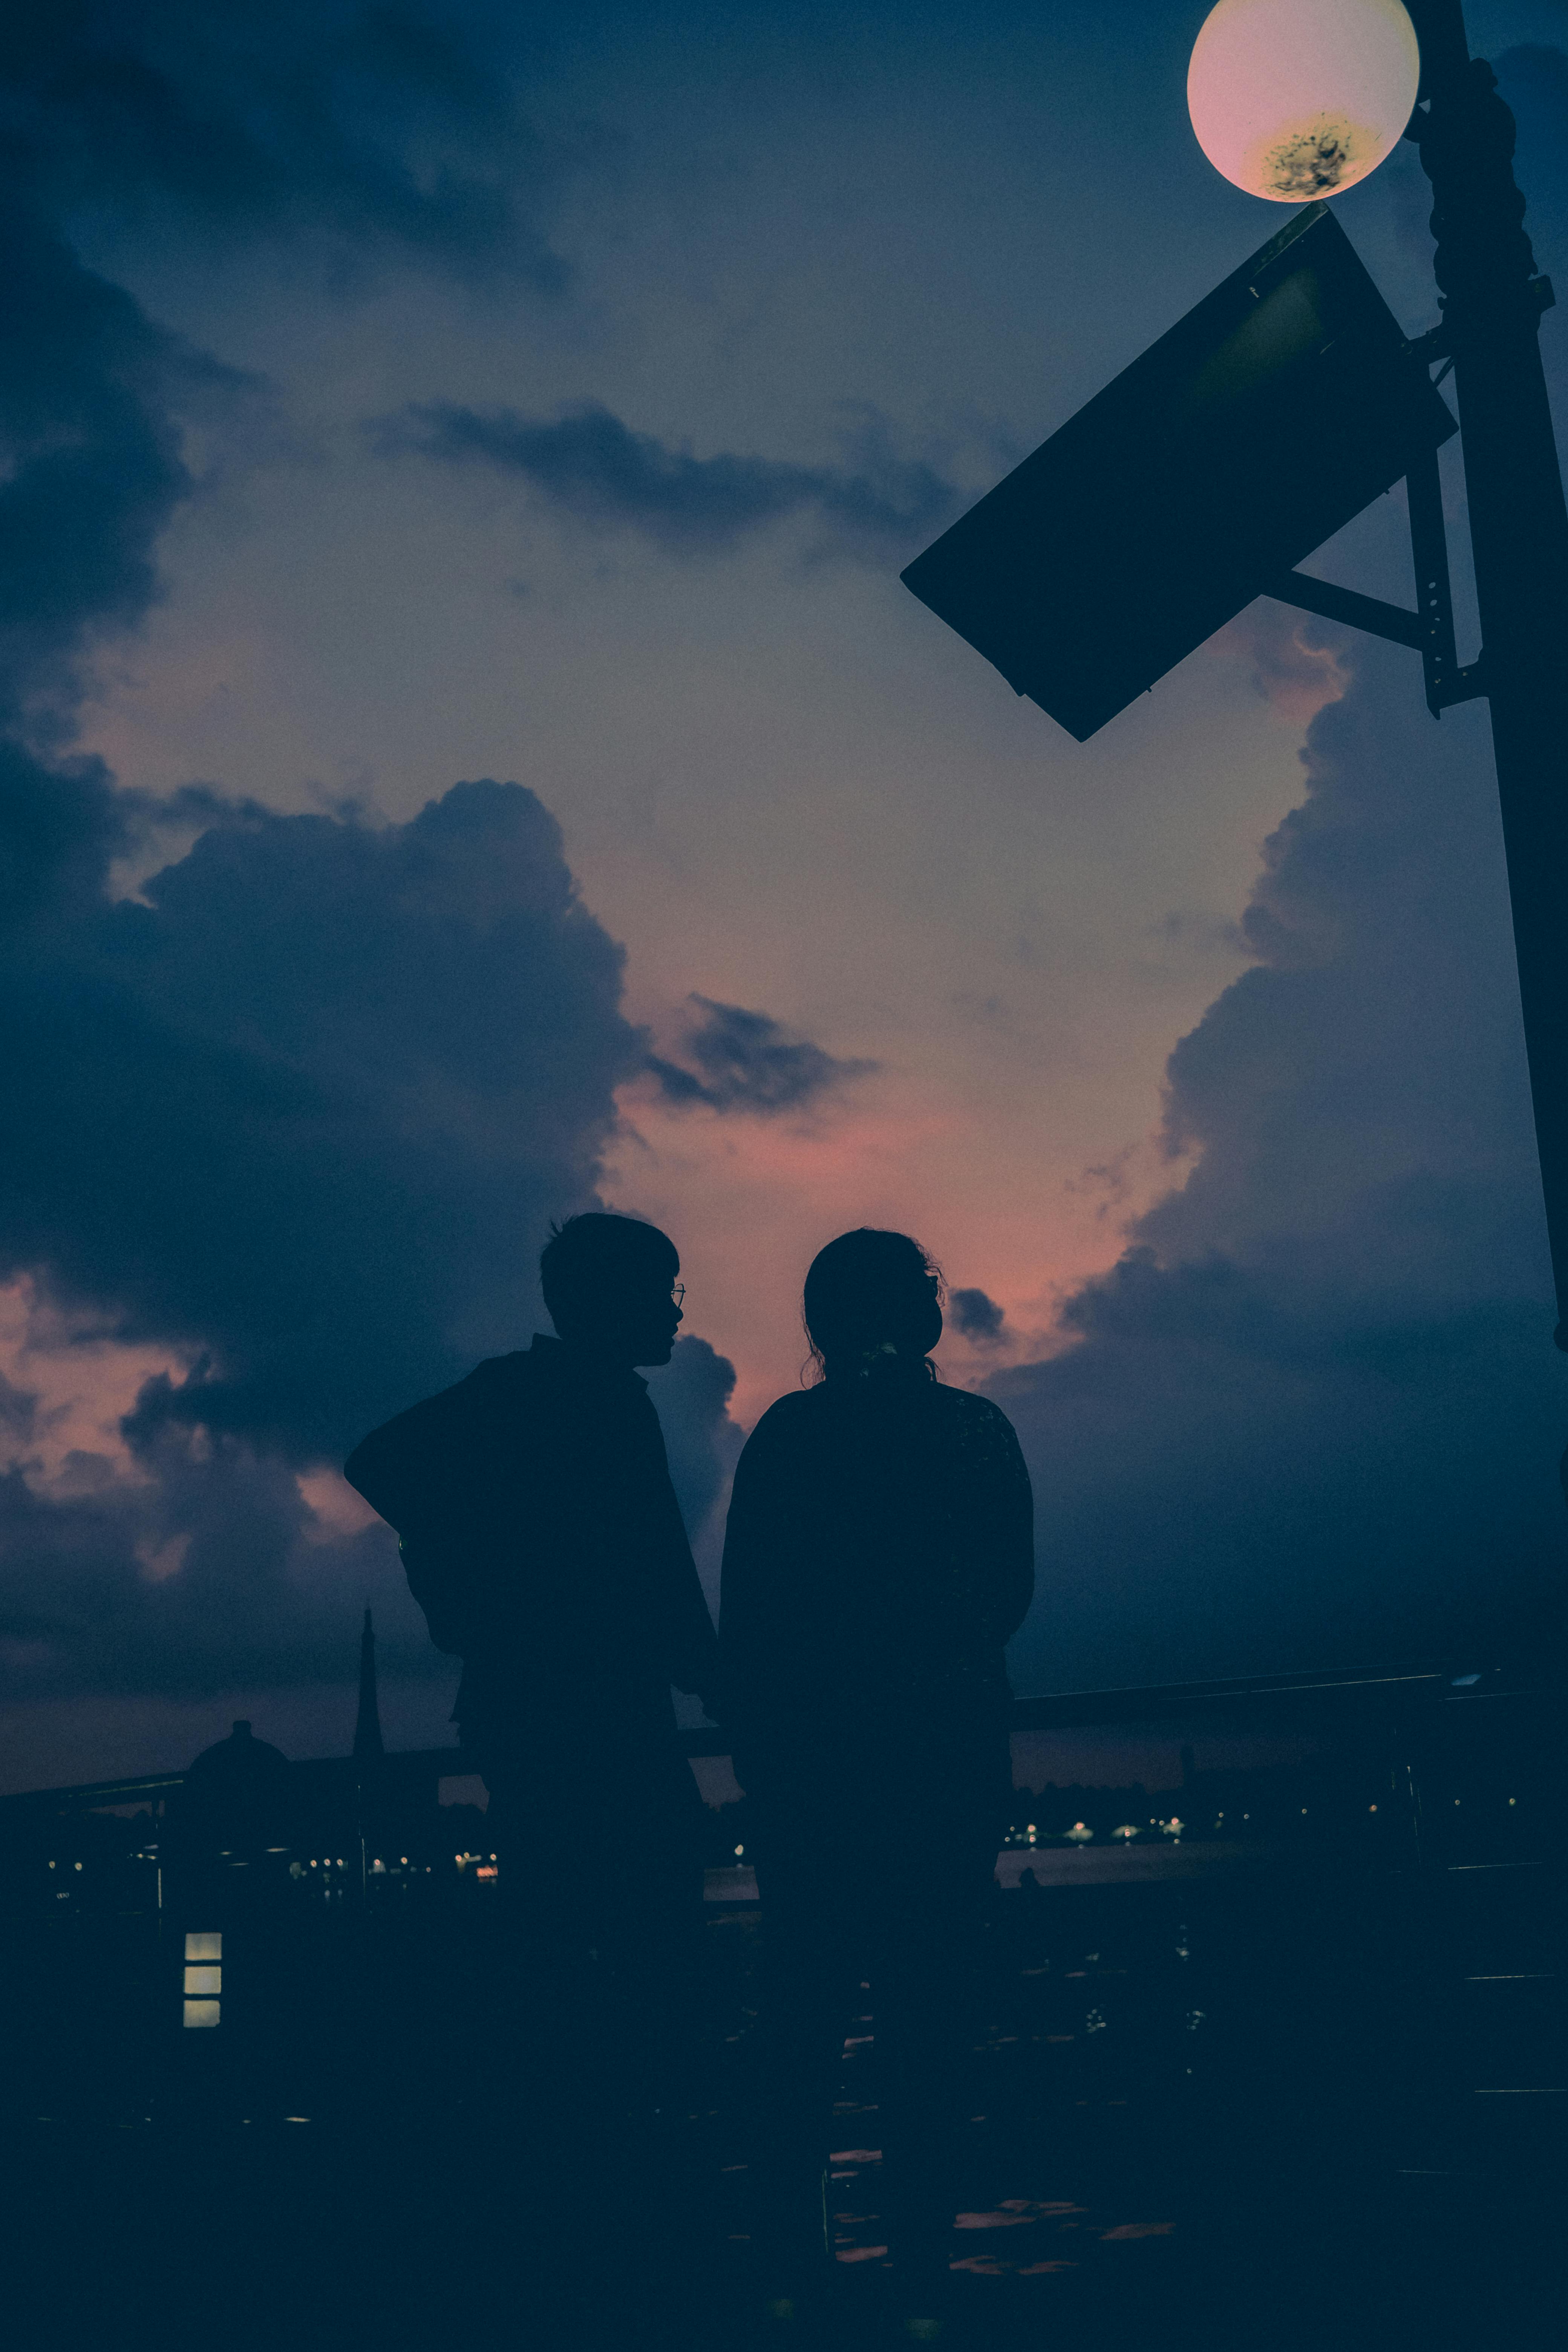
469,755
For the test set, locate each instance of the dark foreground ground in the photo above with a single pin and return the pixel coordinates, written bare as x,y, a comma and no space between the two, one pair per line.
1268,2110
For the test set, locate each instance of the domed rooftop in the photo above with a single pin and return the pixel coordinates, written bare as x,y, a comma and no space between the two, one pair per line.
241,1759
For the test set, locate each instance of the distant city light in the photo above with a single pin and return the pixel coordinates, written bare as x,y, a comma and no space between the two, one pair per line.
1296,99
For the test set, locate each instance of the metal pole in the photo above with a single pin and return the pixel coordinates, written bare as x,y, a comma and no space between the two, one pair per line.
1519,537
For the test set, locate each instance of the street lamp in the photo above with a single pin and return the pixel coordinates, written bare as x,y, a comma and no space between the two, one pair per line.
1297,99
1283,404
1345,50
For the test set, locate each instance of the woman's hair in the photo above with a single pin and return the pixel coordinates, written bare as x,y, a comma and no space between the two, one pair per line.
870,1294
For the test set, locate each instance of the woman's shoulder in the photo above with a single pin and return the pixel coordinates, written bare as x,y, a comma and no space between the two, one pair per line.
965,1405
974,1420
788,1418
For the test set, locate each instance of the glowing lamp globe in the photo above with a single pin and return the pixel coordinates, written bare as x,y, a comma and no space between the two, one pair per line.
1296,99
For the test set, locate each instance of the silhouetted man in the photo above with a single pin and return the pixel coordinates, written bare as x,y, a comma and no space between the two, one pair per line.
541,1538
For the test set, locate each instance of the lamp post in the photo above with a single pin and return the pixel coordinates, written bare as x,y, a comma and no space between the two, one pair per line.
1258,109
1279,408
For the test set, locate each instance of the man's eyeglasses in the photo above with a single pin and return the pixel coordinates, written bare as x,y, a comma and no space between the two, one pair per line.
676,1294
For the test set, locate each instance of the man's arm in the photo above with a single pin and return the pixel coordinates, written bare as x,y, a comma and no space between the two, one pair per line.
423,1475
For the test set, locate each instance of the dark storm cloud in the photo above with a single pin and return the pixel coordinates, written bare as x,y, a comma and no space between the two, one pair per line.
310,1109
1533,78
357,121
746,1062
692,1393
237,1599
214,1575
977,1316
1313,1417
596,470
301,1113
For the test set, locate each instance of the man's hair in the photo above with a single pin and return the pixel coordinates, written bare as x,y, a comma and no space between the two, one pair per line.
590,1258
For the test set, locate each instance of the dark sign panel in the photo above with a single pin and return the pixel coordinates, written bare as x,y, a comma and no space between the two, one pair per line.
1268,417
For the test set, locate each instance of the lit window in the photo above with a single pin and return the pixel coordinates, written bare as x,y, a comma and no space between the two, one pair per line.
204,1981
201,2012
207,1946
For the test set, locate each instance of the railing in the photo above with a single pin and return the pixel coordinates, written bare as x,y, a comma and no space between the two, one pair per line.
1402,1697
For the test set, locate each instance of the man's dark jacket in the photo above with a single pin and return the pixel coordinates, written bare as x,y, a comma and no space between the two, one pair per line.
544,1542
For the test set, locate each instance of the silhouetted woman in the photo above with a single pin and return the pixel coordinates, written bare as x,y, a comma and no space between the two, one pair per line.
878,1554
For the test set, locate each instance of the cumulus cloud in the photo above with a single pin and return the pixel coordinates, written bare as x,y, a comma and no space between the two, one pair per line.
746,1062
364,126
310,1107
589,465
284,1132
978,1317
1313,1417
1533,78
692,1393
1294,657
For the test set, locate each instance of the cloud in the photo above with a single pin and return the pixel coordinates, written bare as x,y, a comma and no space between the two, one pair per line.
978,1317
692,1394
1290,669
310,1107
288,1126
597,471
1533,78
301,1118
359,124
211,1572
1313,1417
746,1062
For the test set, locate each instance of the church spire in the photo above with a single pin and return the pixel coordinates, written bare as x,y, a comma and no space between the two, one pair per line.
369,1748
